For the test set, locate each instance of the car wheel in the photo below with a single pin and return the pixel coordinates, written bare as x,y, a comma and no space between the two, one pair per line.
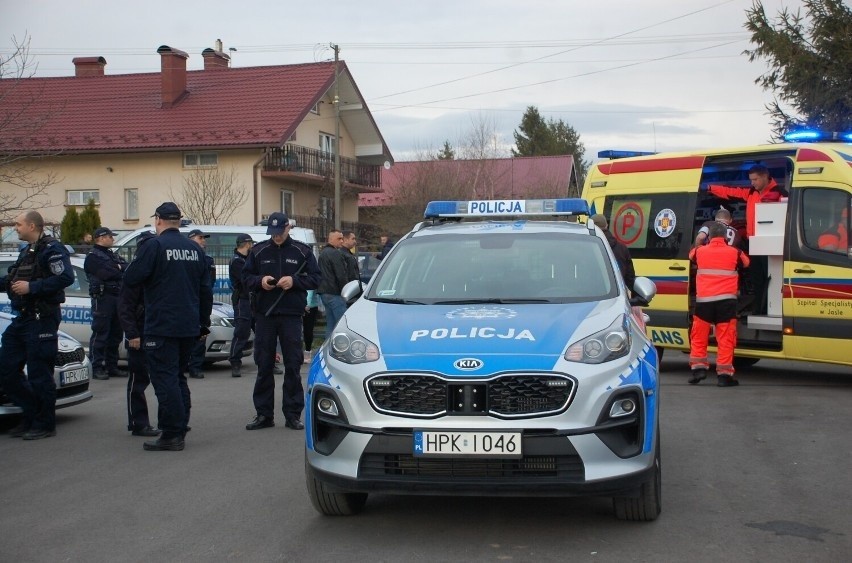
332,503
646,507
744,363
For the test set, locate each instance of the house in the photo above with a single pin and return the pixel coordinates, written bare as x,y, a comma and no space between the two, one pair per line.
132,141
408,186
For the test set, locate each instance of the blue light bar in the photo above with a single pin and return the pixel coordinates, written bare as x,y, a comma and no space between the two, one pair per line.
507,208
612,155
817,135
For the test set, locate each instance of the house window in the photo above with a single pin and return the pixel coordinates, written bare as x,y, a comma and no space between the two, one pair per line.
287,203
131,204
326,143
326,208
200,159
82,197
315,109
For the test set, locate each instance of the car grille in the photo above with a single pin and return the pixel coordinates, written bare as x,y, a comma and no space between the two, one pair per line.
545,458
74,357
507,396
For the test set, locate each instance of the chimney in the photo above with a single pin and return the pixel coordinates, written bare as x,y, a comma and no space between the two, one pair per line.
173,72
88,66
215,59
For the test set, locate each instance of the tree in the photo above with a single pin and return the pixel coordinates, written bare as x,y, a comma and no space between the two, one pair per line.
446,152
90,219
809,59
537,137
210,196
69,229
23,180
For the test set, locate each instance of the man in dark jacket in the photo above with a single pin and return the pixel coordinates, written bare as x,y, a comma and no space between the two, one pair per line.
178,300
280,271
387,245
105,269
622,254
131,313
332,264
240,300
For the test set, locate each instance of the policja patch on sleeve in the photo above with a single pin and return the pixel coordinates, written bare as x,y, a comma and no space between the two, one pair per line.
57,266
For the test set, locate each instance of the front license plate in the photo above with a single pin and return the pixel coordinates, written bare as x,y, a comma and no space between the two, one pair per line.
476,444
71,376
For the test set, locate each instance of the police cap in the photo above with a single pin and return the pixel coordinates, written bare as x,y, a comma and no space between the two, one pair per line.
277,223
102,232
243,237
168,210
197,233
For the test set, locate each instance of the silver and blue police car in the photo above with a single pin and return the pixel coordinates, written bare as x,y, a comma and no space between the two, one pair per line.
495,351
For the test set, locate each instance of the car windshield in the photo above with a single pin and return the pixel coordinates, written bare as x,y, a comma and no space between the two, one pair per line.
491,267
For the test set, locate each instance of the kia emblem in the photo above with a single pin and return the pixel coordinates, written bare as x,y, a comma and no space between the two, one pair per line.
468,364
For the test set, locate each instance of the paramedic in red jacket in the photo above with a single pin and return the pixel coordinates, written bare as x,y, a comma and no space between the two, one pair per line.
763,189
716,282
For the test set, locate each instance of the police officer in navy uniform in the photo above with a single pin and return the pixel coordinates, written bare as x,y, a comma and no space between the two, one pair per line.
105,269
241,301
280,271
36,285
196,359
178,299
131,313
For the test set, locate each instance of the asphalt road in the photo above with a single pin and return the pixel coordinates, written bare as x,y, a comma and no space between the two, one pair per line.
761,472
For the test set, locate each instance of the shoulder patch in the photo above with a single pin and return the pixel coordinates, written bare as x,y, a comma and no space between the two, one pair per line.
57,265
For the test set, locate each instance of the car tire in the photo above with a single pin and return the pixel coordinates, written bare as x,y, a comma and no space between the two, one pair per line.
647,506
332,503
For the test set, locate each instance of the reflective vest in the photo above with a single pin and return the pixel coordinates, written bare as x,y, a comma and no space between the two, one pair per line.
717,277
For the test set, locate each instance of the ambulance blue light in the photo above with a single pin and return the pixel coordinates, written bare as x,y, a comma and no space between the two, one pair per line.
817,135
507,208
612,155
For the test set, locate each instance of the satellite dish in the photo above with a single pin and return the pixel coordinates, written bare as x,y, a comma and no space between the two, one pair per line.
387,165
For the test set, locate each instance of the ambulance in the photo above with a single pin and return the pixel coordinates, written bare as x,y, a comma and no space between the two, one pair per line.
654,206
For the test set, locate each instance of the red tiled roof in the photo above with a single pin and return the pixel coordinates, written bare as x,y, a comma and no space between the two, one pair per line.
485,179
235,107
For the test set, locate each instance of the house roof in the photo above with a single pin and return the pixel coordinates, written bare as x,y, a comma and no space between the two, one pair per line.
222,108
517,177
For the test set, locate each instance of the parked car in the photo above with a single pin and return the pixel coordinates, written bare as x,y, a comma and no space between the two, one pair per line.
367,264
77,313
72,373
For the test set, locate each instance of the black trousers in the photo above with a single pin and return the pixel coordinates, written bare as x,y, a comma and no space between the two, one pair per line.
285,330
243,322
106,333
165,358
137,383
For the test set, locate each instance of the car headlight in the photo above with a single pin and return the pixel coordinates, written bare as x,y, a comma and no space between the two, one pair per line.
609,344
352,348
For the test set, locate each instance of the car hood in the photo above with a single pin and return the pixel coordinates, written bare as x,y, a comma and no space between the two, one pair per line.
502,337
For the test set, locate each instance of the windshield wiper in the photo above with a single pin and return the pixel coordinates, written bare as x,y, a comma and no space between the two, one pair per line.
503,301
394,300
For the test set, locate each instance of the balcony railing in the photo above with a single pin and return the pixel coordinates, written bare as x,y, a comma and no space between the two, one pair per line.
299,160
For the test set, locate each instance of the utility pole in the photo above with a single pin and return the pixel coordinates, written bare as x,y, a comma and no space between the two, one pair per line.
337,202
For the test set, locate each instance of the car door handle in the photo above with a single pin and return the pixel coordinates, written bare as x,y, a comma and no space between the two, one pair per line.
804,271
676,267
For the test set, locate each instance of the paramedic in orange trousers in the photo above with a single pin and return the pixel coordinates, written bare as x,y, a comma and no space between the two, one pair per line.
716,282
763,189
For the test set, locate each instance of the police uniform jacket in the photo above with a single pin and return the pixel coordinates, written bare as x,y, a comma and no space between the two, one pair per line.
235,273
131,311
47,267
176,285
332,264
292,258
105,270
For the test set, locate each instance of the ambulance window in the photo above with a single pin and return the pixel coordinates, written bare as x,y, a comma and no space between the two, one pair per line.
825,219
653,226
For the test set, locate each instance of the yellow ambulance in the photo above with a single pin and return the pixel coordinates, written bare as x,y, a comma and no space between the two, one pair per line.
654,206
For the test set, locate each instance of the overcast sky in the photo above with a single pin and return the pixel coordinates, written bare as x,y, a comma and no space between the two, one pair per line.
626,74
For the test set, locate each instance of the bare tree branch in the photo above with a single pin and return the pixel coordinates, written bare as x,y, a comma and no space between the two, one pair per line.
210,195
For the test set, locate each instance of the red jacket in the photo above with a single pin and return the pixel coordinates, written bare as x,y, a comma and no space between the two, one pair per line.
751,196
717,277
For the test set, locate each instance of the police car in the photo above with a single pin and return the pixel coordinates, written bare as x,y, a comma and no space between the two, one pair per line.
72,373
77,313
494,351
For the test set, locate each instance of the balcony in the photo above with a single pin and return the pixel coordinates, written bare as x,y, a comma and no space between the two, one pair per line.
316,167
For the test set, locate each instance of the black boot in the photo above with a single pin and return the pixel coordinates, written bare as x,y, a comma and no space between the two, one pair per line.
697,375
100,373
235,369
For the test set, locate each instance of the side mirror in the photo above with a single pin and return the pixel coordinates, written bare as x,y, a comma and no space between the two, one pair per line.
644,291
352,291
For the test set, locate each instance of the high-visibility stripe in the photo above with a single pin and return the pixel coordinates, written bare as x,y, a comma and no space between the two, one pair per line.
713,298
714,272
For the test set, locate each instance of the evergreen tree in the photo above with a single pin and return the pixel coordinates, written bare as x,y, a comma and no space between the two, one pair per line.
90,219
69,230
537,137
446,152
809,64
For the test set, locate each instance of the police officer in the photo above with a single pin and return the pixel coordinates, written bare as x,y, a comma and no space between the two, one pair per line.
280,271
196,359
105,269
35,284
178,299
131,313
240,299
